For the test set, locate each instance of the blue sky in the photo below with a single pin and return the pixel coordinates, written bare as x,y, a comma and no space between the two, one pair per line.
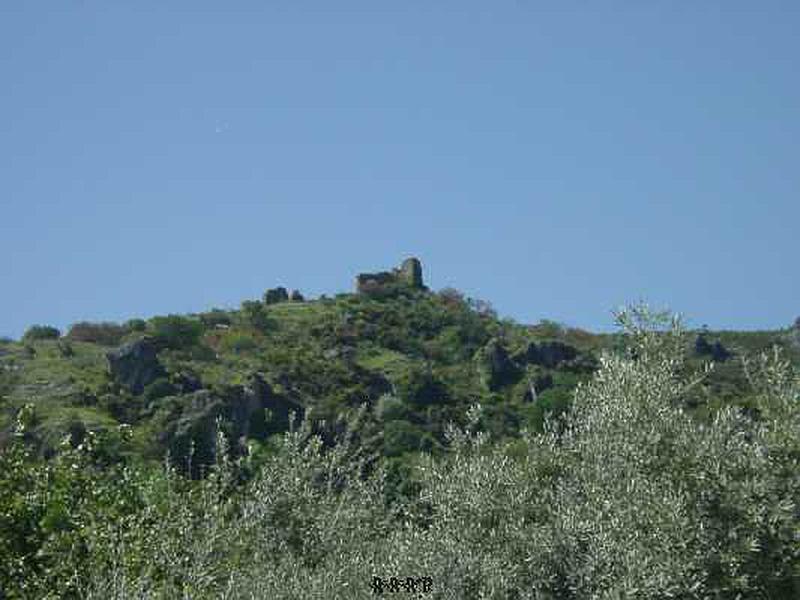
556,158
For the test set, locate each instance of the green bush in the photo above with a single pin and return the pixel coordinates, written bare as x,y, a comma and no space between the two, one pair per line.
106,334
390,408
65,349
159,388
401,437
254,315
214,317
238,342
41,332
419,386
276,295
175,331
136,325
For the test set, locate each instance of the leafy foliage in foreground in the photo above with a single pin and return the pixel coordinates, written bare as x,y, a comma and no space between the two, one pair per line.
626,495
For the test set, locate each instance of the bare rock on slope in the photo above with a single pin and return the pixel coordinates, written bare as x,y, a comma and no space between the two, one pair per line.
135,364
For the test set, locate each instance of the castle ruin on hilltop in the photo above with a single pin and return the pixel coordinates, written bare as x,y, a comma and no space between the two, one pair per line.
408,274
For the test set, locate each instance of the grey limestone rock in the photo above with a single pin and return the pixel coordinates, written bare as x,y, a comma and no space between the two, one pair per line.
495,366
549,354
716,351
135,364
536,385
260,400
253,410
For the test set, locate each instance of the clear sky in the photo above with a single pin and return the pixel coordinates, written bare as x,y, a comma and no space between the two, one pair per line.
558,159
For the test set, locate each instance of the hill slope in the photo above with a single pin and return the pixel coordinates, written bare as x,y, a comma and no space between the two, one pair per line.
417,358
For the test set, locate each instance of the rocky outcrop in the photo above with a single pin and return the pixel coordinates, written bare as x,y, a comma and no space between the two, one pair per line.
253,410
408,274
549,354
189,435
265,408
187,382
495,367
537,383
717,352
135,365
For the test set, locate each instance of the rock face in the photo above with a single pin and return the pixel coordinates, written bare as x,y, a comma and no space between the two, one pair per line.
188,382
495,366
259,397
536,385
191,437
716,351
550,354
135,365
408,274
253,410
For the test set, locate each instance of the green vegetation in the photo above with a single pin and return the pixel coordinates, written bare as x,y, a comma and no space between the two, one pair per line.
41,332
176,331
104,334
596,466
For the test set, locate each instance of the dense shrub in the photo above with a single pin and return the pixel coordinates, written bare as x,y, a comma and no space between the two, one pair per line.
718,352
549,329
65,349
419,386
215,317
106,334
483,308
136,325
276,295
175,331
390,408
254,315
238,342
401,437
624,496
159,388
452,297
40,332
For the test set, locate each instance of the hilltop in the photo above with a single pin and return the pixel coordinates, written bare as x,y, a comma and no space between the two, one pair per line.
416,358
